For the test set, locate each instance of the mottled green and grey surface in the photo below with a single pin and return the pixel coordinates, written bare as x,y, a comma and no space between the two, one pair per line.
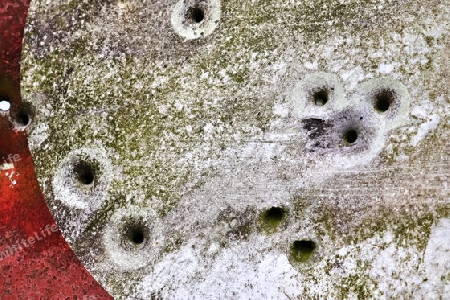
201,127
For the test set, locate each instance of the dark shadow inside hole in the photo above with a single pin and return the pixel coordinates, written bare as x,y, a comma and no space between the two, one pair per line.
271,219
350,136
274,215
303,249
136,235
320,97
196,14
384,100
84,172
22,118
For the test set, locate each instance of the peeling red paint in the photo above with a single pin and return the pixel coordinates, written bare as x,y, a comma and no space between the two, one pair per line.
35,262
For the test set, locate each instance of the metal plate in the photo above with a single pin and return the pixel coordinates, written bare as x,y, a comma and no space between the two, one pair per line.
234,149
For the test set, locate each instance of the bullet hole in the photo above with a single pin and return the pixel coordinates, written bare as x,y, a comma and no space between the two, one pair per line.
320,97
272,218
383,100
5,105
195,14
350,136
275,214
135,235
22,118
302,250
193,19
84,172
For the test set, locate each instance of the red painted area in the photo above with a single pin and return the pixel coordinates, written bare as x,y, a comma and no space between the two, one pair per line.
35,261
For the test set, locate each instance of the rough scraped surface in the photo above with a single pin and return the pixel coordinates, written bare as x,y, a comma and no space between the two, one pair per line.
246,148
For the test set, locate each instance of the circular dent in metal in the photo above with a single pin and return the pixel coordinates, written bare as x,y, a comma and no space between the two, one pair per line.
132,237
193,19
317,94
82,179
386,99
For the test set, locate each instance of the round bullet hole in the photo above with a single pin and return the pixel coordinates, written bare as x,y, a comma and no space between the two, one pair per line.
350,136
302,250
84,173
383,100
5,105
274,215
82,178
22,118
193,19
195,14
320,97
136,235
133,237
271,219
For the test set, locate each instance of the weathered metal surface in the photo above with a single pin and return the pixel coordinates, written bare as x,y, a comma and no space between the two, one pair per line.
246,148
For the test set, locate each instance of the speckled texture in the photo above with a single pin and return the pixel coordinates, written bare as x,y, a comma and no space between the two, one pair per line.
194,137
35,260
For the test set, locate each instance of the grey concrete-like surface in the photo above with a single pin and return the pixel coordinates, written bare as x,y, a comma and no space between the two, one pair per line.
246,149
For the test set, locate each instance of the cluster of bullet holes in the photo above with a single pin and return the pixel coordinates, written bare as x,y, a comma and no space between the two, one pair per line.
271,219
333,122
192,19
